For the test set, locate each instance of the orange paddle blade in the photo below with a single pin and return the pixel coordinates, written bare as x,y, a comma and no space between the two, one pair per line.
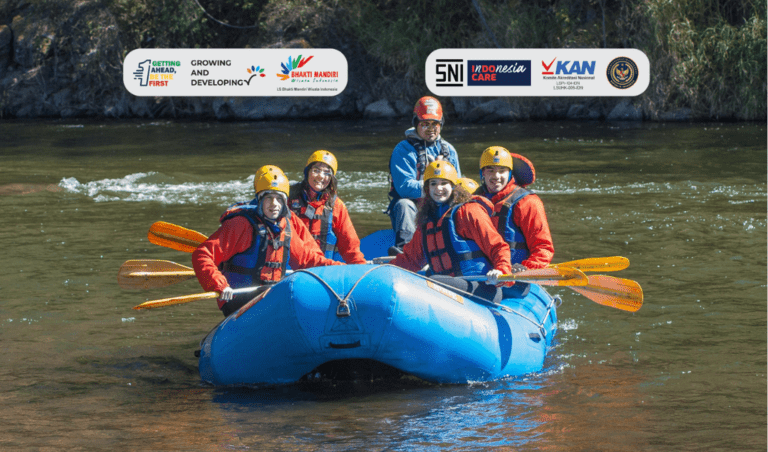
151,273
597,264
618,293
176,300
554,276
175,237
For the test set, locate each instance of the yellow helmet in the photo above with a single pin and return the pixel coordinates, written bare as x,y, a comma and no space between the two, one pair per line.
496,156
272,178
323,156
441,169
469,184
262,170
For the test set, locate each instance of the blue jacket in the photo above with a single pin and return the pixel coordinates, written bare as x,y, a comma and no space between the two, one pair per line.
404,167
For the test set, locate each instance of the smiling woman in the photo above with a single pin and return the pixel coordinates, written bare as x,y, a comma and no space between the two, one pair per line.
315,200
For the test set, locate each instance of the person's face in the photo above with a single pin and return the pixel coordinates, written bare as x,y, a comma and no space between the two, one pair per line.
495,178
428,130
440,190
271,205
319,176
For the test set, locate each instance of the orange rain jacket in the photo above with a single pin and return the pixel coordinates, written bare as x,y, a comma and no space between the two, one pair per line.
235,236
530,217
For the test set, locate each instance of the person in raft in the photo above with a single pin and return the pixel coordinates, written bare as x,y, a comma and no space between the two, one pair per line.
518,214
455,236
255,243
422,144
315,201
469,184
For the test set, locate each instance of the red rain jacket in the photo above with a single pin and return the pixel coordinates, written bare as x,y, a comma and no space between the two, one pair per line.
472,223
530,217
347,241
235,235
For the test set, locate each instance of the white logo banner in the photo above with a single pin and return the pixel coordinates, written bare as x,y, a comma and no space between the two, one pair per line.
537,72
235,72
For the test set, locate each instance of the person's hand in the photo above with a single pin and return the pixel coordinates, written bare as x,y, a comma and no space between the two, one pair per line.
517,268
227,294
492,277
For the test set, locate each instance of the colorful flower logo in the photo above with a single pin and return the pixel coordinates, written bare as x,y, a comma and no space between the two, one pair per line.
292,64
258,70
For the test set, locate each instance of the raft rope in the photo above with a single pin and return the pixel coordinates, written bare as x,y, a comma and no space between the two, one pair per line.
540,325
471,296
475,298
342,310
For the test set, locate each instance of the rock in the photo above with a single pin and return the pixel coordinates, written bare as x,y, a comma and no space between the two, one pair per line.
6,47
403,108
461,106
625,111
492,111
581,111
682,114
33,40
379,109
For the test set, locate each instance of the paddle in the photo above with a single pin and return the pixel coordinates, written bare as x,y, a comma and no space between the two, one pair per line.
596,264
565,276
618,293
151,274
175,237
189,298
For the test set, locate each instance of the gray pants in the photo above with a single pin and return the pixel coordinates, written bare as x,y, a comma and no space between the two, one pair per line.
402,212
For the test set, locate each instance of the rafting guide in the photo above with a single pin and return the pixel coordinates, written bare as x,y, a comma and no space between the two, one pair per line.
422,145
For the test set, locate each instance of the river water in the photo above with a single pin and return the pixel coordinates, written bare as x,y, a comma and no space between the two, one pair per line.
81,370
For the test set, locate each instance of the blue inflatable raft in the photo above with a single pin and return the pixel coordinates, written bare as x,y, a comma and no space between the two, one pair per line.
384,314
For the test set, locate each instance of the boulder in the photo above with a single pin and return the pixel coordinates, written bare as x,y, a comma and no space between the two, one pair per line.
492,111
625,111
6,47
379,109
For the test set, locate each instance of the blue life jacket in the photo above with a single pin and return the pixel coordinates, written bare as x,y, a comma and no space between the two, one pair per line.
510,232
266,260
450,254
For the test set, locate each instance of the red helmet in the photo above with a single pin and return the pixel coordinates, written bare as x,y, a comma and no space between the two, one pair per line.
427,109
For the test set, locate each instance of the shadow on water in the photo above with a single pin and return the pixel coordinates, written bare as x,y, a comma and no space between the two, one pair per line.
335,380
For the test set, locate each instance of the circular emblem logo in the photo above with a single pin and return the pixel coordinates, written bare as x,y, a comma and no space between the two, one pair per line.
622,72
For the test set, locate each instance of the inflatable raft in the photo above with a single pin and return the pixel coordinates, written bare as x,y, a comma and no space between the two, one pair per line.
382,313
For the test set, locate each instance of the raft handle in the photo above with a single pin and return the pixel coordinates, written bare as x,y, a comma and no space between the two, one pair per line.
352,345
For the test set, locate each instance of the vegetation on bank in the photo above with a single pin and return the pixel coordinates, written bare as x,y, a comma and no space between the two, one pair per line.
708,56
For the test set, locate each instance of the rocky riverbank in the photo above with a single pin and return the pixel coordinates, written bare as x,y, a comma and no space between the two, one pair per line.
62,60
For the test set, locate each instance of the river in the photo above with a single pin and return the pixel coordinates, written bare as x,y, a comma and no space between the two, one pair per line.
81,370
